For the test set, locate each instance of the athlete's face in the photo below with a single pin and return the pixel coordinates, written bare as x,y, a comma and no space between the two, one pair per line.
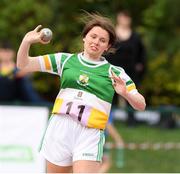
96,42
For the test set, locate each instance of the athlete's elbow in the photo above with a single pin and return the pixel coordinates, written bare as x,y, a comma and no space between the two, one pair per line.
20,65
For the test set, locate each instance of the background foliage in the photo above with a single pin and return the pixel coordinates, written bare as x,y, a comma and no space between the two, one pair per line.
156,20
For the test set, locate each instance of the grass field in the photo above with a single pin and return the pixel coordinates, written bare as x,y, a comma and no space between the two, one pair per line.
136,161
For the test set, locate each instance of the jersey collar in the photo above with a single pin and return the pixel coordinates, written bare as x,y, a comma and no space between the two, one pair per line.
91,63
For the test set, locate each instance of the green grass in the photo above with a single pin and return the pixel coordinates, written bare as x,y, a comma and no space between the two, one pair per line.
136,161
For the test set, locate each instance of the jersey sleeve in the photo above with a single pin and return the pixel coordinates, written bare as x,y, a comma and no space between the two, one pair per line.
130,85
52,63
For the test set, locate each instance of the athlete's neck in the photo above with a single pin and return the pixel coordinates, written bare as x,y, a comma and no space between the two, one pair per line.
91,57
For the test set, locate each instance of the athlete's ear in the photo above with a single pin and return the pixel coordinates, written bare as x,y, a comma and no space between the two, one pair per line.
83,39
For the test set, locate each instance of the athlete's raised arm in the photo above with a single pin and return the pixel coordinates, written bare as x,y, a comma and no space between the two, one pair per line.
24,61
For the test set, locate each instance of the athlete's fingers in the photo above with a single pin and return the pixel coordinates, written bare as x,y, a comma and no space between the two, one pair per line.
41,34
44,42
114,76
37,28
117,78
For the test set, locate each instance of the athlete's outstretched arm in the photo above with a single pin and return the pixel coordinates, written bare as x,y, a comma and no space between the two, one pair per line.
24,61
137,101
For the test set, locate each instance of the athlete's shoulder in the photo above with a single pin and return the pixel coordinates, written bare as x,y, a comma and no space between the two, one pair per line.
64,54
116,68
59,55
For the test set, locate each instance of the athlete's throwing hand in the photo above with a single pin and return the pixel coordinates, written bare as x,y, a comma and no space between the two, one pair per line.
35,36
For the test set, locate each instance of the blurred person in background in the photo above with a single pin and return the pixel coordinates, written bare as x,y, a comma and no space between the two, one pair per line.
15,85
129,54
74,138
118,144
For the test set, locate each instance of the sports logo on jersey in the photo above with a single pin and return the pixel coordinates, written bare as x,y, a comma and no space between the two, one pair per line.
83,80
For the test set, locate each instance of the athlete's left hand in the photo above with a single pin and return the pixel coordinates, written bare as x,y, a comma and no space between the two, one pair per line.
119,84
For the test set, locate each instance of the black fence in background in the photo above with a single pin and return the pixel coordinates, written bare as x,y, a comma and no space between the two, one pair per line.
163,116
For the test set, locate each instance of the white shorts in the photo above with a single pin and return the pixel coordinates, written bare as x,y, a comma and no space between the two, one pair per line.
66,141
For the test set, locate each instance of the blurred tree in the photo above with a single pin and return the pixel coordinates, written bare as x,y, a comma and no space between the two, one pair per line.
162,24
162,83
18,17
161,31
